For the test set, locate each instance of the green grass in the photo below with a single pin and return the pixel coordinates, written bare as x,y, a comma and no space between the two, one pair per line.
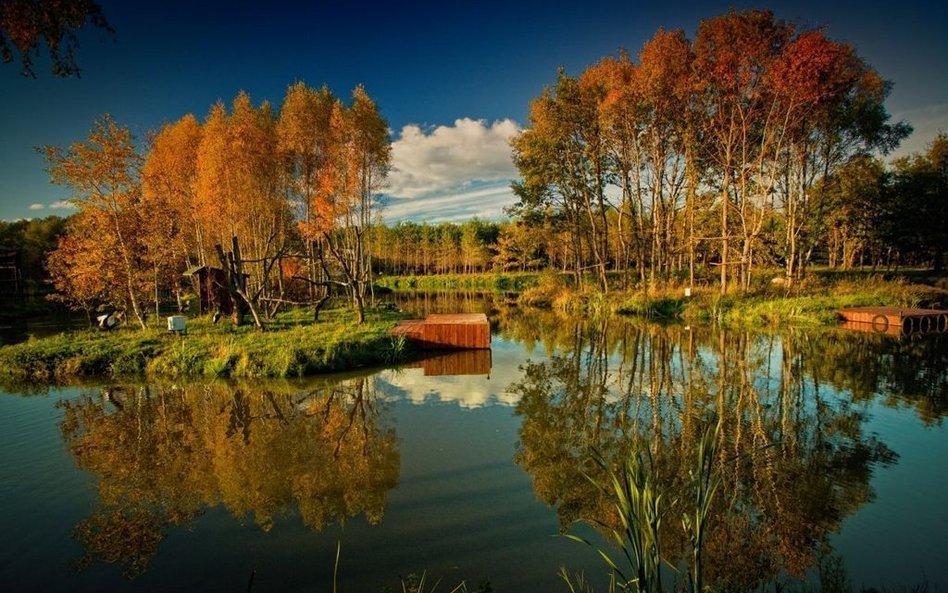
813,302
499,281
292,346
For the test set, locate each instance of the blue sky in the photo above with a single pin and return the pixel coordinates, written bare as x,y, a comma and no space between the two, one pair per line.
453,79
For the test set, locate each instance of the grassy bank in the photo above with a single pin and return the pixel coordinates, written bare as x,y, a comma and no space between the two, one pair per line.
513,281
292,346
812,302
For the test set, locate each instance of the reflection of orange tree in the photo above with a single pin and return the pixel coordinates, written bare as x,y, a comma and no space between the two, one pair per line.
793,461
164,454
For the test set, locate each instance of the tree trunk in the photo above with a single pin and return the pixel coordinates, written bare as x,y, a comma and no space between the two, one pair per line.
157,311
724,244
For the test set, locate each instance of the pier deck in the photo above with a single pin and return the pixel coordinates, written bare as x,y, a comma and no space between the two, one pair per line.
459,330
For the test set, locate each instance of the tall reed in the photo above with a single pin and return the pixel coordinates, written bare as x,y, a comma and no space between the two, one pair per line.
641,504
704,484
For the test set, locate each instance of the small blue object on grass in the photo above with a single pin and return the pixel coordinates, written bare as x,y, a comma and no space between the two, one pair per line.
176,324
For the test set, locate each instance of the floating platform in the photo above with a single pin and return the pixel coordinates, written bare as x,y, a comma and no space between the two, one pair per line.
895,320
459,330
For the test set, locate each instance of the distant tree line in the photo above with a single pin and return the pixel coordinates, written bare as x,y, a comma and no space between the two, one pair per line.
864,214
411,248
31,241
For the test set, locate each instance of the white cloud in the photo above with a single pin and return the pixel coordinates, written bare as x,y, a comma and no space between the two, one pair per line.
927,122
437,172
57,205
486,202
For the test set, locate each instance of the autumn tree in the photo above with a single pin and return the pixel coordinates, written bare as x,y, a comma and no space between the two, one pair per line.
26,24
81,266
242,188
744,119
239,194
103,174
562,160
303,143
833,105
733,53
622,120
169,181
358,159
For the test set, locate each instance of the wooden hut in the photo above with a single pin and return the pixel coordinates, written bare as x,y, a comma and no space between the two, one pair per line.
210,284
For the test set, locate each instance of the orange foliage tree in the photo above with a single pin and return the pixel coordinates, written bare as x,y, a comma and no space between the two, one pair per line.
103,173
358,157
24,24
299,185
303,143
743,120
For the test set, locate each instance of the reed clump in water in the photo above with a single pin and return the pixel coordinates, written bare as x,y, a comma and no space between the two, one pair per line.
642,506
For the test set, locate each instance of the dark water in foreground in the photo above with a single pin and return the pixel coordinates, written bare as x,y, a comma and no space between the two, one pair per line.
832,453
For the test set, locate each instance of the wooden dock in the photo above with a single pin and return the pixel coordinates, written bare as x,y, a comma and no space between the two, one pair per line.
460,330
896,320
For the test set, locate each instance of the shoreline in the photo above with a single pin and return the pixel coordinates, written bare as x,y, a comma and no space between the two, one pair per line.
292,347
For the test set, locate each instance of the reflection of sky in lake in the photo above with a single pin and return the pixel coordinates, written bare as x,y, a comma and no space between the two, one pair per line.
466,391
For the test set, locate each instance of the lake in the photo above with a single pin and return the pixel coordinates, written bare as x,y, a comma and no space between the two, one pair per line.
831,459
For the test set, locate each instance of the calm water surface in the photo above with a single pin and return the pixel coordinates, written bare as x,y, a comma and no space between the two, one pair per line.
832,446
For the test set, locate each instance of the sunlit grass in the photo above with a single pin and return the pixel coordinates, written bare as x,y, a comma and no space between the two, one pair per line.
814,301
292,346
499,281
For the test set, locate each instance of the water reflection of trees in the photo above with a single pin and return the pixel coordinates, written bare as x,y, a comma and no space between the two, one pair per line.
793,452
163,455
911,371
903,372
